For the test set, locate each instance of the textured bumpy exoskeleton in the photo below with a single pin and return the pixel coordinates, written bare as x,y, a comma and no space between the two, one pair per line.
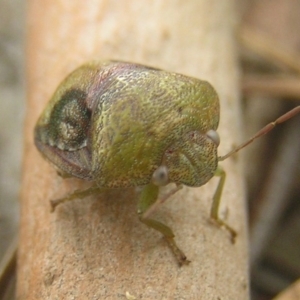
121,125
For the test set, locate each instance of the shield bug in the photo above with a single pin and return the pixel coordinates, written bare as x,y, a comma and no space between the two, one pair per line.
121,124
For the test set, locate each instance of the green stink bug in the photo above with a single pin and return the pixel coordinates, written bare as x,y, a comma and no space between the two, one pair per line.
120,125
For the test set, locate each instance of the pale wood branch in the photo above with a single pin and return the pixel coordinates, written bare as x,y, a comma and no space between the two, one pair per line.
291,293
96,248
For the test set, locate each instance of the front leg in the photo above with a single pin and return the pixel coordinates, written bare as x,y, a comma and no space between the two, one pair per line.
77,194
148,203
214,214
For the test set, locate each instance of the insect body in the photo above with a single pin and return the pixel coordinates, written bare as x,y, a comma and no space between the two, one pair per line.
120,124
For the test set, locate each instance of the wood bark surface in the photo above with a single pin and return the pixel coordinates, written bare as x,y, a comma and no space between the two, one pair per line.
96,248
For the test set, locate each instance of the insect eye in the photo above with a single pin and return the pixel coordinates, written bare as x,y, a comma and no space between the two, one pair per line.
160,176
214,136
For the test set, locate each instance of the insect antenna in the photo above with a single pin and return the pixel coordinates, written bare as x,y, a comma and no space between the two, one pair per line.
263,131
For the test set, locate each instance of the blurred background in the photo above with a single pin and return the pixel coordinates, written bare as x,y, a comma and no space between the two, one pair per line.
12,110
268,42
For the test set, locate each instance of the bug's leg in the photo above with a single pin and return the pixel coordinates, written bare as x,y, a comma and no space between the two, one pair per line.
148,199
216,203
151,209
77,194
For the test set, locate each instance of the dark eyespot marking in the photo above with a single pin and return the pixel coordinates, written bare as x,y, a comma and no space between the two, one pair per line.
69,121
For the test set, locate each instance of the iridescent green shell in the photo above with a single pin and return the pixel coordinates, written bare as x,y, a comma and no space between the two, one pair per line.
115,123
